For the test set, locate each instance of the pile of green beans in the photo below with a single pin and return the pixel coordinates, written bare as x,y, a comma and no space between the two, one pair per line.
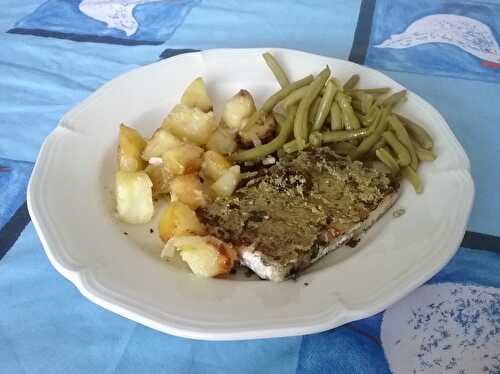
361,121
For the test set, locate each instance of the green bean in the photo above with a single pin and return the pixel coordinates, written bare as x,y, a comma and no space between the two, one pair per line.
284,92
366,102
355,142
268,148
392,100
280,118
280,153
356,105
379,100
294,97
336,117
417,132
371,91
355,94
276,69
363,102
300,126
271,102
363,119
370,117
314,109
351,82
316,139
368,142
360,116
424,154
385,156
373,112
337,136
404,138
413,177
343,148
402,153
291,147
379,144
324,106
349,119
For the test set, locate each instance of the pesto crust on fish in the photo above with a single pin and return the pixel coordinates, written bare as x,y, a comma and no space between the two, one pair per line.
289,215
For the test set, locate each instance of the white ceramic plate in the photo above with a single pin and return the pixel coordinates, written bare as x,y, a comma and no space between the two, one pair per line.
70,202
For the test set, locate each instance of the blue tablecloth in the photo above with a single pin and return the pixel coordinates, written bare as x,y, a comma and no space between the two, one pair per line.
53,53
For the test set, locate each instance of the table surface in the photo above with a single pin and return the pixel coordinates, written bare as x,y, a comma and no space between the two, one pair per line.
54,53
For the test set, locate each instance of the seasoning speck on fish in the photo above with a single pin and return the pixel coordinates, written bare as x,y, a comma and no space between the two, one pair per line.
398,212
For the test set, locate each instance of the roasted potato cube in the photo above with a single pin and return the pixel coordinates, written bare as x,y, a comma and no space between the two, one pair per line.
190,124
196,96
261,133
160,142
222,140
237,108
179,219
206,256
130,147
227,183
160,177
214,165
183,159
134,199
189,190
